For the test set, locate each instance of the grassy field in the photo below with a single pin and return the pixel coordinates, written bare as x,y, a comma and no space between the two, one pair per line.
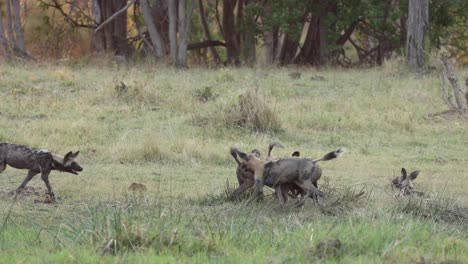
171,130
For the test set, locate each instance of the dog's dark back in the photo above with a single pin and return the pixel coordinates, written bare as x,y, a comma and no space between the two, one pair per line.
23,157
287,170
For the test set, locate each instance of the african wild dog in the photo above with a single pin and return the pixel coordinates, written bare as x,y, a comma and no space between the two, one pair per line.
37,161
245,175
286,170
404,183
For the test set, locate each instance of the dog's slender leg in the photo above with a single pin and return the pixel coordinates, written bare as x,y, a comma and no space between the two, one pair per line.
284,191
2,167
29,177
308,189
258,190
45,178
314,196
279,195
246,185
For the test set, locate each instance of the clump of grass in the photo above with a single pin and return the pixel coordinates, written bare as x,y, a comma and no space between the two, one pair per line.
253,111
339,201
136,93
433,207
205,94
222,197
117,228
328,248
225,75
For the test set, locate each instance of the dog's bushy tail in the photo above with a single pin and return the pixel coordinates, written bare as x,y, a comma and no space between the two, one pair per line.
233,152
272,145
332,155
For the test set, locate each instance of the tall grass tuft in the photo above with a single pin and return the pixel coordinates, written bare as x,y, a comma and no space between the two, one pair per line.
341,200
435,207
253,111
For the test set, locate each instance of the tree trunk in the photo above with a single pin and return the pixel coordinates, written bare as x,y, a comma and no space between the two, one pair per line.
17,25
160,12
119,38
3,40
206,31
268,39
9,25
287,49
152,30
98,38
230,32
184,31
172,10
310,52
113,35
418,19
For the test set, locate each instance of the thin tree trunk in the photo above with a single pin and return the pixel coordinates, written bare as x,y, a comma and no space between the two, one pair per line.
153,31
418,19
17,25
246,38
120,29
98,39
184,31
172,10
268,40
3,40
160,12
9,25
207,33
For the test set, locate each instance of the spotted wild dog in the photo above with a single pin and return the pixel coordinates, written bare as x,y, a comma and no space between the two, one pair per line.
286,170
404,183
245,175
37,160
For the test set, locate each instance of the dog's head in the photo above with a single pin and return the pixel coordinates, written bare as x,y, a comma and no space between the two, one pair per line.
68,163
404,182
251,159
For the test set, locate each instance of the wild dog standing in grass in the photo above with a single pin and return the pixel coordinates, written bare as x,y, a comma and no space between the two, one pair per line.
286,170
37,161
404,183
245,175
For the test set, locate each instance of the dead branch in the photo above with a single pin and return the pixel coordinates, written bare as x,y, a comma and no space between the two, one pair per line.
446,96
453,79
205,44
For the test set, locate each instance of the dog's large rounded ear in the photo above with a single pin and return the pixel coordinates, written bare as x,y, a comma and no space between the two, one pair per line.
403,173
243,156
76,154
414,174
256,152
396,181
67,156
296,154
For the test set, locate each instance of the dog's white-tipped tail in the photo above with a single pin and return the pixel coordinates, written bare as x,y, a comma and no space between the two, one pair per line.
332,155
340,151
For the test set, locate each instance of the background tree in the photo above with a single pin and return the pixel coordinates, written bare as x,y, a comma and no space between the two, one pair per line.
418,19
